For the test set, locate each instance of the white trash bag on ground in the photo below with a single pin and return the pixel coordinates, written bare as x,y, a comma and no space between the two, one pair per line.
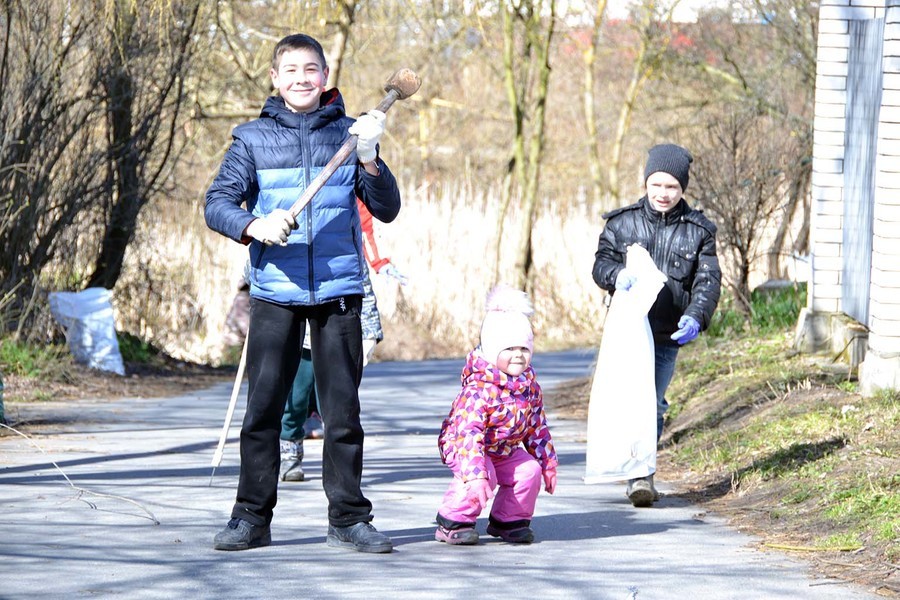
87,318
621,432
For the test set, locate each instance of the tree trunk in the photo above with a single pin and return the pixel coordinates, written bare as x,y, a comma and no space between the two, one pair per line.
595,162
127,202
345,21
525,169
142,125
536,151
516,170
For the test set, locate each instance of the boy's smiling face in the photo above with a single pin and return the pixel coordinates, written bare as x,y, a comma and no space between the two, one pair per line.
300,79
664,191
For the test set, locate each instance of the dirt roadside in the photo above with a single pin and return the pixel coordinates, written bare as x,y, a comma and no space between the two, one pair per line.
752,511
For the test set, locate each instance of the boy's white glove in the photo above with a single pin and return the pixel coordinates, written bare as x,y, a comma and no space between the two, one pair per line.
368,347
391,271
368,129
274,228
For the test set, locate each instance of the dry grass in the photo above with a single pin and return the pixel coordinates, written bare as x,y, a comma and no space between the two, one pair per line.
181,276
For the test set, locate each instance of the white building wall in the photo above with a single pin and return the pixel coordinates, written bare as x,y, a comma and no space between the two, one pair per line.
881,367
824,291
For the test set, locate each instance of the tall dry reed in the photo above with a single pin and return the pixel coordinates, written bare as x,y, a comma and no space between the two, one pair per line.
182,277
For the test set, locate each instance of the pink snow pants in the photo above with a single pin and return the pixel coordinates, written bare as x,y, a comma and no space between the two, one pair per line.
520,479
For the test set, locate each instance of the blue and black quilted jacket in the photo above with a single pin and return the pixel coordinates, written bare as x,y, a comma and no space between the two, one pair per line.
270,162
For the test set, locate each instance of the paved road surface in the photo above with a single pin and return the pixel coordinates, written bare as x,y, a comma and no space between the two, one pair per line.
154,454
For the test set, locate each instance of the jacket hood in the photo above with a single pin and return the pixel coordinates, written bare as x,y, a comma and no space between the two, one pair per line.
331,108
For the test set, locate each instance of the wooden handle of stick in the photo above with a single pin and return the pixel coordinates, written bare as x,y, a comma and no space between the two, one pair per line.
337,160
229,414
401,85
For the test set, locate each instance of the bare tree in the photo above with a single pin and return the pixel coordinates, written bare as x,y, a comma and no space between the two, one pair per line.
528,28
767,64
654,34
739,178
51,160
143,76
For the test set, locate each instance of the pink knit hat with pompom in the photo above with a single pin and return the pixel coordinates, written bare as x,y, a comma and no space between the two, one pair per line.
506,324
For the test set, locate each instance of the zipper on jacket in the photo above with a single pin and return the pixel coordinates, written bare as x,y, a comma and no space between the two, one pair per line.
662,244
305,153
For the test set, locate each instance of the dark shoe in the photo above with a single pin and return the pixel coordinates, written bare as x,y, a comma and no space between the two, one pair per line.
641,492
519,535
242,535
362,537
466,536
291,459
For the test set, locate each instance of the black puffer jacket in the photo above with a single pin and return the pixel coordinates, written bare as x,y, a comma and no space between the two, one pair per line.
682,243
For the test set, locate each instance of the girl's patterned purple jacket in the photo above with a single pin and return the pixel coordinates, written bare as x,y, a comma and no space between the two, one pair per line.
492,415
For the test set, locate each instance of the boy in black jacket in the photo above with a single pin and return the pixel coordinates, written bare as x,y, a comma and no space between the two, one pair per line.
682,243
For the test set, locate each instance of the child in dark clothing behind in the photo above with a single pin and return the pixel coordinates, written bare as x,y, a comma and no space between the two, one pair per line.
496,433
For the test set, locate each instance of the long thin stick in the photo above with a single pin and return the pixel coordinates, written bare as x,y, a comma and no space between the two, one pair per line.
82,491
217,457
401,85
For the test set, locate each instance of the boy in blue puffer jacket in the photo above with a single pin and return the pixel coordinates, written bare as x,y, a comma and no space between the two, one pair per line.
308,269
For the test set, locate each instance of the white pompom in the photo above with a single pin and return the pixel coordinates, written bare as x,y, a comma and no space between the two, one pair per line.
505,298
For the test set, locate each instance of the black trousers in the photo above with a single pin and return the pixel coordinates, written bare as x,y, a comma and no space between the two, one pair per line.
273,353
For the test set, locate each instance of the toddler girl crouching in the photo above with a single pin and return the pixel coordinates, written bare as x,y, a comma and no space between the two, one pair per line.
496,436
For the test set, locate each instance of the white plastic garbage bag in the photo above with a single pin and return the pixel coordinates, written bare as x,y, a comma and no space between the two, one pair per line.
621,433
87,318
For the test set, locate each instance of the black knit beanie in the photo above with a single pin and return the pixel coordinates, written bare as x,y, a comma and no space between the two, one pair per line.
671,159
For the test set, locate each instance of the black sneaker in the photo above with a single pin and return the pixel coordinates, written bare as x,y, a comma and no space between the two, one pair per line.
362,537
242,535
519,535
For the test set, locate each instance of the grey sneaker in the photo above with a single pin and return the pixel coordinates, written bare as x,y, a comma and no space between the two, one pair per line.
362,537
242,535
641,492
291,459
653,487
464,536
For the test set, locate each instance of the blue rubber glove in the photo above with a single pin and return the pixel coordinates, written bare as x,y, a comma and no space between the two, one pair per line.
624,280
688,330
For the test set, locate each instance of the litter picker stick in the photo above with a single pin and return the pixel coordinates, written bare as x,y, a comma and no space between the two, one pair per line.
401,85
217,457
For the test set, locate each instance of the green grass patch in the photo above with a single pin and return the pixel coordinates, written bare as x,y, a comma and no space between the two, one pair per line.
134,349
29,360
789,432
771,311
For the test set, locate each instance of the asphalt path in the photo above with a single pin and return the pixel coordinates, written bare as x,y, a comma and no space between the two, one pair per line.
136,512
